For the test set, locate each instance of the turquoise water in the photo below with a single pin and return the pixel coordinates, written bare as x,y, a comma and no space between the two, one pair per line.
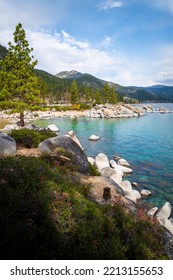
145,142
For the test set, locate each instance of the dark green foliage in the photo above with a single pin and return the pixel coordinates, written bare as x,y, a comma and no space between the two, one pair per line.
45,213
74,93
93,170
30,138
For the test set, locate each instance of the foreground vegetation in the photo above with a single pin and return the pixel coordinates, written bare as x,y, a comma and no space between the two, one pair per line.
45,213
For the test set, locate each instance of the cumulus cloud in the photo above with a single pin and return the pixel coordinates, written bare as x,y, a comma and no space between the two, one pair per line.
60,51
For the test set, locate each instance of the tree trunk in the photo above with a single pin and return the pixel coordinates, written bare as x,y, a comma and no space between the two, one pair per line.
22,123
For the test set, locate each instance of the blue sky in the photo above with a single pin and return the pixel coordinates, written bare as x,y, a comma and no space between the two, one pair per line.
129,42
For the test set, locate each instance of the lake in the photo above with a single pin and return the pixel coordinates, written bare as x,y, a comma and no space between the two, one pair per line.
146,142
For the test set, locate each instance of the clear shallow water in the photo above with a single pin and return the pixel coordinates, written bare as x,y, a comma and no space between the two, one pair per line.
145,142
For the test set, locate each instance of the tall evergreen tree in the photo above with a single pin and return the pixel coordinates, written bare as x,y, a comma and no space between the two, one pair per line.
105,93
113,97
97,97
19,88
87,94
74,94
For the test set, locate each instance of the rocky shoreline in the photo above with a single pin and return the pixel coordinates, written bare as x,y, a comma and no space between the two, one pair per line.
106,111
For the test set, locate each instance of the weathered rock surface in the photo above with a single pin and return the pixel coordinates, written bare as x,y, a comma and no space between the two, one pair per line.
165,211
152,212
78,156
101,161
7,144
117,167
73,136
111,173
127,188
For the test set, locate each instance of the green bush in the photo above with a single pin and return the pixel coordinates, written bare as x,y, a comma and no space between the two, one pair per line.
30,138
45,213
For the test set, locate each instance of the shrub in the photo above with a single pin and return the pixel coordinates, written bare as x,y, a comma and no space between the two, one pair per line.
30,138
45,213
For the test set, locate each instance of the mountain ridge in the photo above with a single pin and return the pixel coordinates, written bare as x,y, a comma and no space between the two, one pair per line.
155,93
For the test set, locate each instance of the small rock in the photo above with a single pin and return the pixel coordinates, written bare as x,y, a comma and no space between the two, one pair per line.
123,162
135,184
53,128
145,192
94,137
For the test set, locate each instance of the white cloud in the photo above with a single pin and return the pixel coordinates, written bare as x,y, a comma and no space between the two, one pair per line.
60,51
110,4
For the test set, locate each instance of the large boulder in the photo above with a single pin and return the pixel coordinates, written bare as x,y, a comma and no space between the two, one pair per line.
165,211
111,173
78,156
117,167
101,161
127,188
7,144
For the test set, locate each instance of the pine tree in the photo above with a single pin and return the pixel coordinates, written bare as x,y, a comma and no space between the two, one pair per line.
74,95
97,97
87,94
105,93
113,98
19,88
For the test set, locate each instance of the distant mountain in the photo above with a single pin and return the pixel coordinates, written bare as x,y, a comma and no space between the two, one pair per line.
162,91
61,82
151,94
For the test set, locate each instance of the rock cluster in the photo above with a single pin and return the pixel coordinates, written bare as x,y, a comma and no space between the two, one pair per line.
116,170
163,216
114,111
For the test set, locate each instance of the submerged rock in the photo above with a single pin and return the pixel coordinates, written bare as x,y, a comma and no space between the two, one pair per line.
145,192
